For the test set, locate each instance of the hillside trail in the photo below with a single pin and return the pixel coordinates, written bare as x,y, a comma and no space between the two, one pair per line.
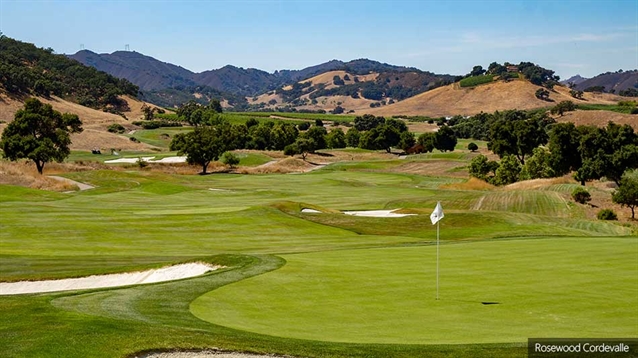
81,186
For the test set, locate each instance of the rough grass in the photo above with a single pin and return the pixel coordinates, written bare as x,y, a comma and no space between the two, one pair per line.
25,174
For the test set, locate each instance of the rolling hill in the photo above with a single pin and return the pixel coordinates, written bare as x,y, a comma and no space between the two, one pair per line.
94,122
144,71
453,100
28,70
99,99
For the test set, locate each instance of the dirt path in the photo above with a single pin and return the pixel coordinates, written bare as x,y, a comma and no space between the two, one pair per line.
80,186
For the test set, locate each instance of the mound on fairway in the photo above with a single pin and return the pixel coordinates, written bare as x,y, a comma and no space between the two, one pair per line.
559,287
170,273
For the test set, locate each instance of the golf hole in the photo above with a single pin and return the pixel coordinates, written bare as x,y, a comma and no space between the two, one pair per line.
490,303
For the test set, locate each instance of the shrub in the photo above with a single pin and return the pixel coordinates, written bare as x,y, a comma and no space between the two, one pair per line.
252,122
607,214
472,147
542,94
303,126
634,111
476,80
581,195
116,128
141,163
135,140
230,159
291,149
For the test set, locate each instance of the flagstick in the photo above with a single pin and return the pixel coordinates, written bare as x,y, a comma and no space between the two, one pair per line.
437,260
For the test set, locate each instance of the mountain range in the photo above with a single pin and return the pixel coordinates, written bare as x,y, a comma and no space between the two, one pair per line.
169,85
151,74
613,82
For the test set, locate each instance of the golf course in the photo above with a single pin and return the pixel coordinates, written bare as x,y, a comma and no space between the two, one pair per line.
515,262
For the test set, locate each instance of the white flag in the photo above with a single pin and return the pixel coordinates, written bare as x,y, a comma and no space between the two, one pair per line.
437,214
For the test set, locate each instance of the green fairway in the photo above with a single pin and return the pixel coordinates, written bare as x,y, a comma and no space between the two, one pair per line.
570,287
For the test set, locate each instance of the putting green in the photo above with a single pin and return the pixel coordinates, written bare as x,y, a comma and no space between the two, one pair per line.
558,287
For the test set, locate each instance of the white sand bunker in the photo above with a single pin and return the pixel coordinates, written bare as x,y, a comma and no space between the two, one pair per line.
377,213
147,159
310,211
170,273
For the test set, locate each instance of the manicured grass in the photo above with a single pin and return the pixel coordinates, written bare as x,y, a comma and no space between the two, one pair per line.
82,156
543,287
137,219
160,137
462,143
253,159
119,322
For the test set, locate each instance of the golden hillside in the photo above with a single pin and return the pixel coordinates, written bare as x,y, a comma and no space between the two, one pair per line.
327,103
496,96
598,118
327,78
94,122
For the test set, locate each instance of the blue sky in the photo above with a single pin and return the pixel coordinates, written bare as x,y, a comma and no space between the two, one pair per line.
570,37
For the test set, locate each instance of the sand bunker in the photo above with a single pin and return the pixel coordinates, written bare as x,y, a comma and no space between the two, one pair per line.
377,213
170,273
312,211
147,159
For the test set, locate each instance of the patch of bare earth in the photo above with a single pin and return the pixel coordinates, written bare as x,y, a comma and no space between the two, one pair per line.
601,192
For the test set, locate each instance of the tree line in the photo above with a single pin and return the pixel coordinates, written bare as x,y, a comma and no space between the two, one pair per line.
213,135
531,145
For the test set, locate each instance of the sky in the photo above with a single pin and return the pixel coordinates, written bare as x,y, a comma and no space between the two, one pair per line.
569,37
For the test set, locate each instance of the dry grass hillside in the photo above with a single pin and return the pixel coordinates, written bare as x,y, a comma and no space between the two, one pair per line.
95,123
327,78
452,100
599,118
325,103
